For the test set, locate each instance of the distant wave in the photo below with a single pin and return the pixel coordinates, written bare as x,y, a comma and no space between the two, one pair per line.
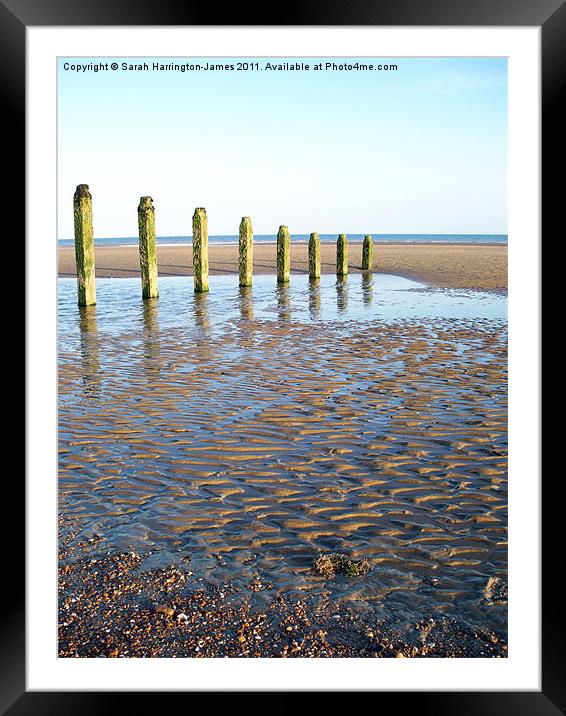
325,238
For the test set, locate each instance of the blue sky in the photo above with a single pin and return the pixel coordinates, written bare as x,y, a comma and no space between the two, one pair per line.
419,150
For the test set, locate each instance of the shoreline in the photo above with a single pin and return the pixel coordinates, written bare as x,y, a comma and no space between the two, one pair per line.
439,265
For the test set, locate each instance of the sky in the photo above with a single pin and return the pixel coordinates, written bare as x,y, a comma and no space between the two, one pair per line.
422,149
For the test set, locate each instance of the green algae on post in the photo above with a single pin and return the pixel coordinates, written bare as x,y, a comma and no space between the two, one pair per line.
283,255
148,252
342,255
200,250
84,246
314,256
246,252
367,254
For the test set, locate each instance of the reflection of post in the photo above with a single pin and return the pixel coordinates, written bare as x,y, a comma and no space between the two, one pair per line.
200,250
84,246
246,303
314,256
151,335
367,254
89,349
367,288
342,292
314,297
342,255
283,255
202,317
246,252
148,252
283,302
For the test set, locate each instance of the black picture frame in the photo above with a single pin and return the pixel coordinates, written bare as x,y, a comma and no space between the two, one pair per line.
15,16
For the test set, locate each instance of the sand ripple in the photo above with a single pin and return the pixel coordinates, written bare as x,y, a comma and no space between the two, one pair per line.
268,441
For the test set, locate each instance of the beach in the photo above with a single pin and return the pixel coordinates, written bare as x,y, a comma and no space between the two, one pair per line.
481,266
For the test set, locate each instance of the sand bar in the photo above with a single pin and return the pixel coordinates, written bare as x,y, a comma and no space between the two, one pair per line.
481,266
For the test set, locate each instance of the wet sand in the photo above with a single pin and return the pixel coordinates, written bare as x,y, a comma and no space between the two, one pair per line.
241,451
440,265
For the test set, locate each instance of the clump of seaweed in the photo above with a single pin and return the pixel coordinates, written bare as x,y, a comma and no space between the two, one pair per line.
495,591
329,565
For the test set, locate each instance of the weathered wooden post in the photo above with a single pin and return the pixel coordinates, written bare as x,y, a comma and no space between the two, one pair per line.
314,256
200,250
342,255
246,252
148,251
367,254
84,246
283,255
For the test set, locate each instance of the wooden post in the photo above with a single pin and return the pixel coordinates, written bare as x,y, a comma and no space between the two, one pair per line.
367,254
148,251
283,255
246,252
84,246
342,255
200,250
314,256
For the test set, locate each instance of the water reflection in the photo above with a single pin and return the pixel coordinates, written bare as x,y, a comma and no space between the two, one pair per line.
201,310
245,300
314,297
367,288
151,346
89,350
342,293
283,301
364,298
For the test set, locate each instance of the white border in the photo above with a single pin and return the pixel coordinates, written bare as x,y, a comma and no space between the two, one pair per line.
521,671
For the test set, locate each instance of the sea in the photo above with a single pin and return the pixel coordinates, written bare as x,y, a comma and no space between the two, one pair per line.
226,239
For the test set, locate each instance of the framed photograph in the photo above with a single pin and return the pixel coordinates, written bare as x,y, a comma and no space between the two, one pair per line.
283,353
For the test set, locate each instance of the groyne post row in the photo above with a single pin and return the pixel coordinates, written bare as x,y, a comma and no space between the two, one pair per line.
148,251
367,254
246,252
342,255
314,256
200,250
84,250
84,245
283,255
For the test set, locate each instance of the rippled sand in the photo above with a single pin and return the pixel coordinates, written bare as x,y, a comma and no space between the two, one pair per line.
255,445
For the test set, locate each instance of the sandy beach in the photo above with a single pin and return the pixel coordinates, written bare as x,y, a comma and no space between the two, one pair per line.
439,265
